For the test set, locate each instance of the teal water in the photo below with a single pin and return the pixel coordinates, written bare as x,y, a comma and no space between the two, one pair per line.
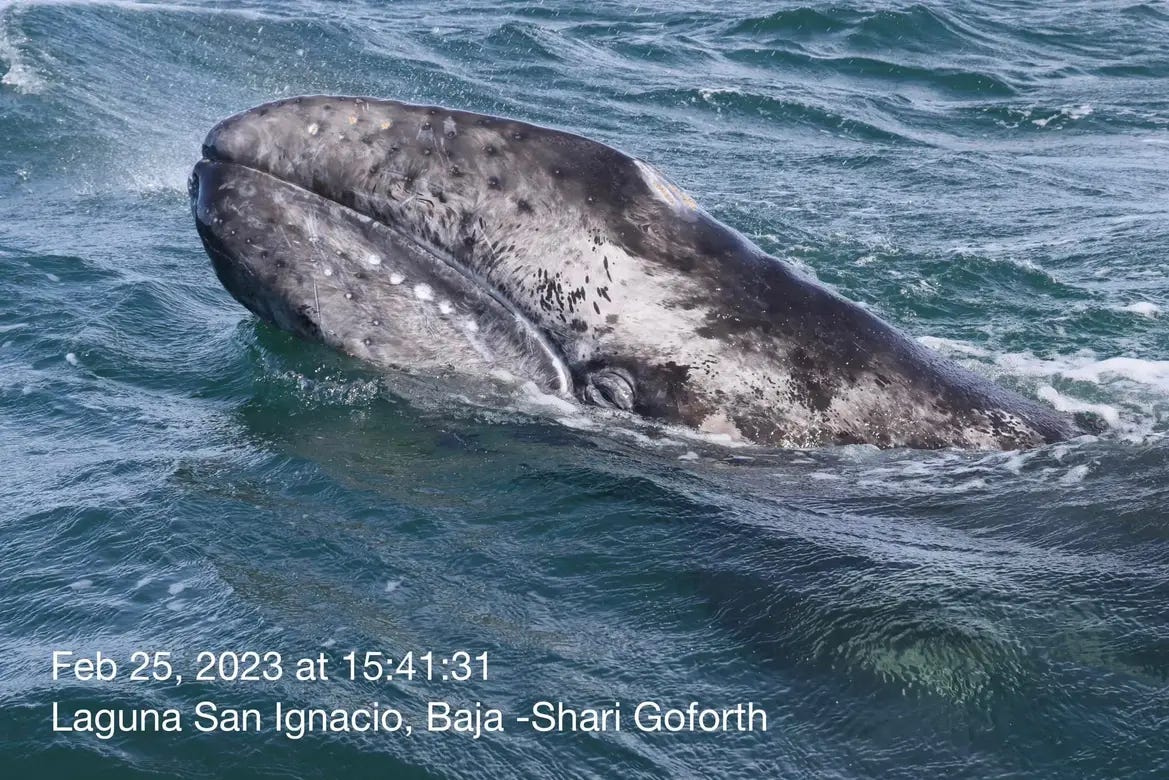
990,176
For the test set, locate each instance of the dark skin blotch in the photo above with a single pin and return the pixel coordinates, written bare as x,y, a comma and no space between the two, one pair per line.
307,324
812,379
664,393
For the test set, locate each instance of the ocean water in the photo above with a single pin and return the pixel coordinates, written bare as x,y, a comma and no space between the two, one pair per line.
989,176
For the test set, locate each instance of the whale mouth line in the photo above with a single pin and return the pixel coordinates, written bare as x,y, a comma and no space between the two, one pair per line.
538,340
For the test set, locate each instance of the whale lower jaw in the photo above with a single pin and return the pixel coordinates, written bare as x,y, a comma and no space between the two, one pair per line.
322,269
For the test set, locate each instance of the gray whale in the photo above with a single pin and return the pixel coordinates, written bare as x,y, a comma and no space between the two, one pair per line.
444,241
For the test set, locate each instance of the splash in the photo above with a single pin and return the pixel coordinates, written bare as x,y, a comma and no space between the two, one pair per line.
18,73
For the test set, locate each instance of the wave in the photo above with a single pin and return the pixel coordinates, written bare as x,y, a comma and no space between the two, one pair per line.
743,103
916,28
945,80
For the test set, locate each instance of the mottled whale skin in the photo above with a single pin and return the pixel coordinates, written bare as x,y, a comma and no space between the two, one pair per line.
444,241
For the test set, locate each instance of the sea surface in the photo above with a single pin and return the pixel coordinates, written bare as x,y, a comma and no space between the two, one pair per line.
992,177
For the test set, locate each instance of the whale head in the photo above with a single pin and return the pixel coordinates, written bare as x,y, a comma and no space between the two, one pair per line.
433,239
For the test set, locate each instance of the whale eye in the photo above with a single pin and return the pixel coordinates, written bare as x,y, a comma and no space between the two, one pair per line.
611,388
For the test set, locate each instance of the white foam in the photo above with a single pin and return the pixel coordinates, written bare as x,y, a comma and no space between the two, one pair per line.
175,588
1083,366
1075,475
153,172
85,584
1016,461
393,585
538,397
1143,308
71,359
1064,403
952,346
19,75
1071,113
1154,373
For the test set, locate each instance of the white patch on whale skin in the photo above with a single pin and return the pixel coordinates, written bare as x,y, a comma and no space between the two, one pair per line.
719,424
445,307
423,292
665,190
448,126
396,279
478,345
